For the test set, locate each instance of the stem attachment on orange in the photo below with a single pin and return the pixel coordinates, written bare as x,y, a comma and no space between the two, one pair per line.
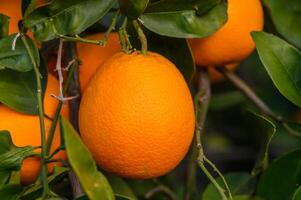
141,37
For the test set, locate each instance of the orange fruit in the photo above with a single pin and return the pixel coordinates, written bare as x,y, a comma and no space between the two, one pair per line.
92,56
12,8
25,130
136,116
233,42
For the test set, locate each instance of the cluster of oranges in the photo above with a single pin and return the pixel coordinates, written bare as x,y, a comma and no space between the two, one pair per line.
136,114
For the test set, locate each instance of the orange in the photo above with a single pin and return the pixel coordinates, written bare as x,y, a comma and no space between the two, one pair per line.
136,116
232,43
92,56
25,130
13,9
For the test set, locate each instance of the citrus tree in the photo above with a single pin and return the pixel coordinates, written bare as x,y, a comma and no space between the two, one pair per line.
150,99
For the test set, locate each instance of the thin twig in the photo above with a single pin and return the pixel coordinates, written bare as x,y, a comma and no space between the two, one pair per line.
248,92
44,169
202,101
158,189
141,37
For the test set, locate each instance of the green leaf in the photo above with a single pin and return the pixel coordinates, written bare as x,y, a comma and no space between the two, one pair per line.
182,19
11,192
35,190
121,188
239,183
15,57
11,157
18,90
245,197
133,8
266,129
175,49
279,181
4,177
282,62
94,183
286,17
68,17
4,22
224,100
297,194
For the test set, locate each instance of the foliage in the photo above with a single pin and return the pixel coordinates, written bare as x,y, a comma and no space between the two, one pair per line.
253,136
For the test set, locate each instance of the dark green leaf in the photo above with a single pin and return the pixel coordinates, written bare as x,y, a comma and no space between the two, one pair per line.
94,183
133,8
4,177
18,90
176,50
11,157
297,195
286,16
293,127
279,181
121,188
35,190
4,22
68,17
245,197
267,129
181,19
82,198
10,192
13,54
282,62
221,101
239,183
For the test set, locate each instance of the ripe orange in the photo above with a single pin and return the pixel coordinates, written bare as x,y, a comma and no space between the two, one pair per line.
25,130
136,115
12,8
232,43
92,56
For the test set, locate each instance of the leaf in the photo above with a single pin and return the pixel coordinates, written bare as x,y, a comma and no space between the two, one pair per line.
267,129
11,156
279,181
18,58
133,8
182,19
245,197
293,127
4,22
35,190
239,183
94,183
224,100
11,192
286,17
18,90
68,17
121,188
4,177
174,49
297,194
282,62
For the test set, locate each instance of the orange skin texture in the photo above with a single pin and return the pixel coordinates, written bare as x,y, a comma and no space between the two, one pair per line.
233,42
25,130
92,56
136,116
